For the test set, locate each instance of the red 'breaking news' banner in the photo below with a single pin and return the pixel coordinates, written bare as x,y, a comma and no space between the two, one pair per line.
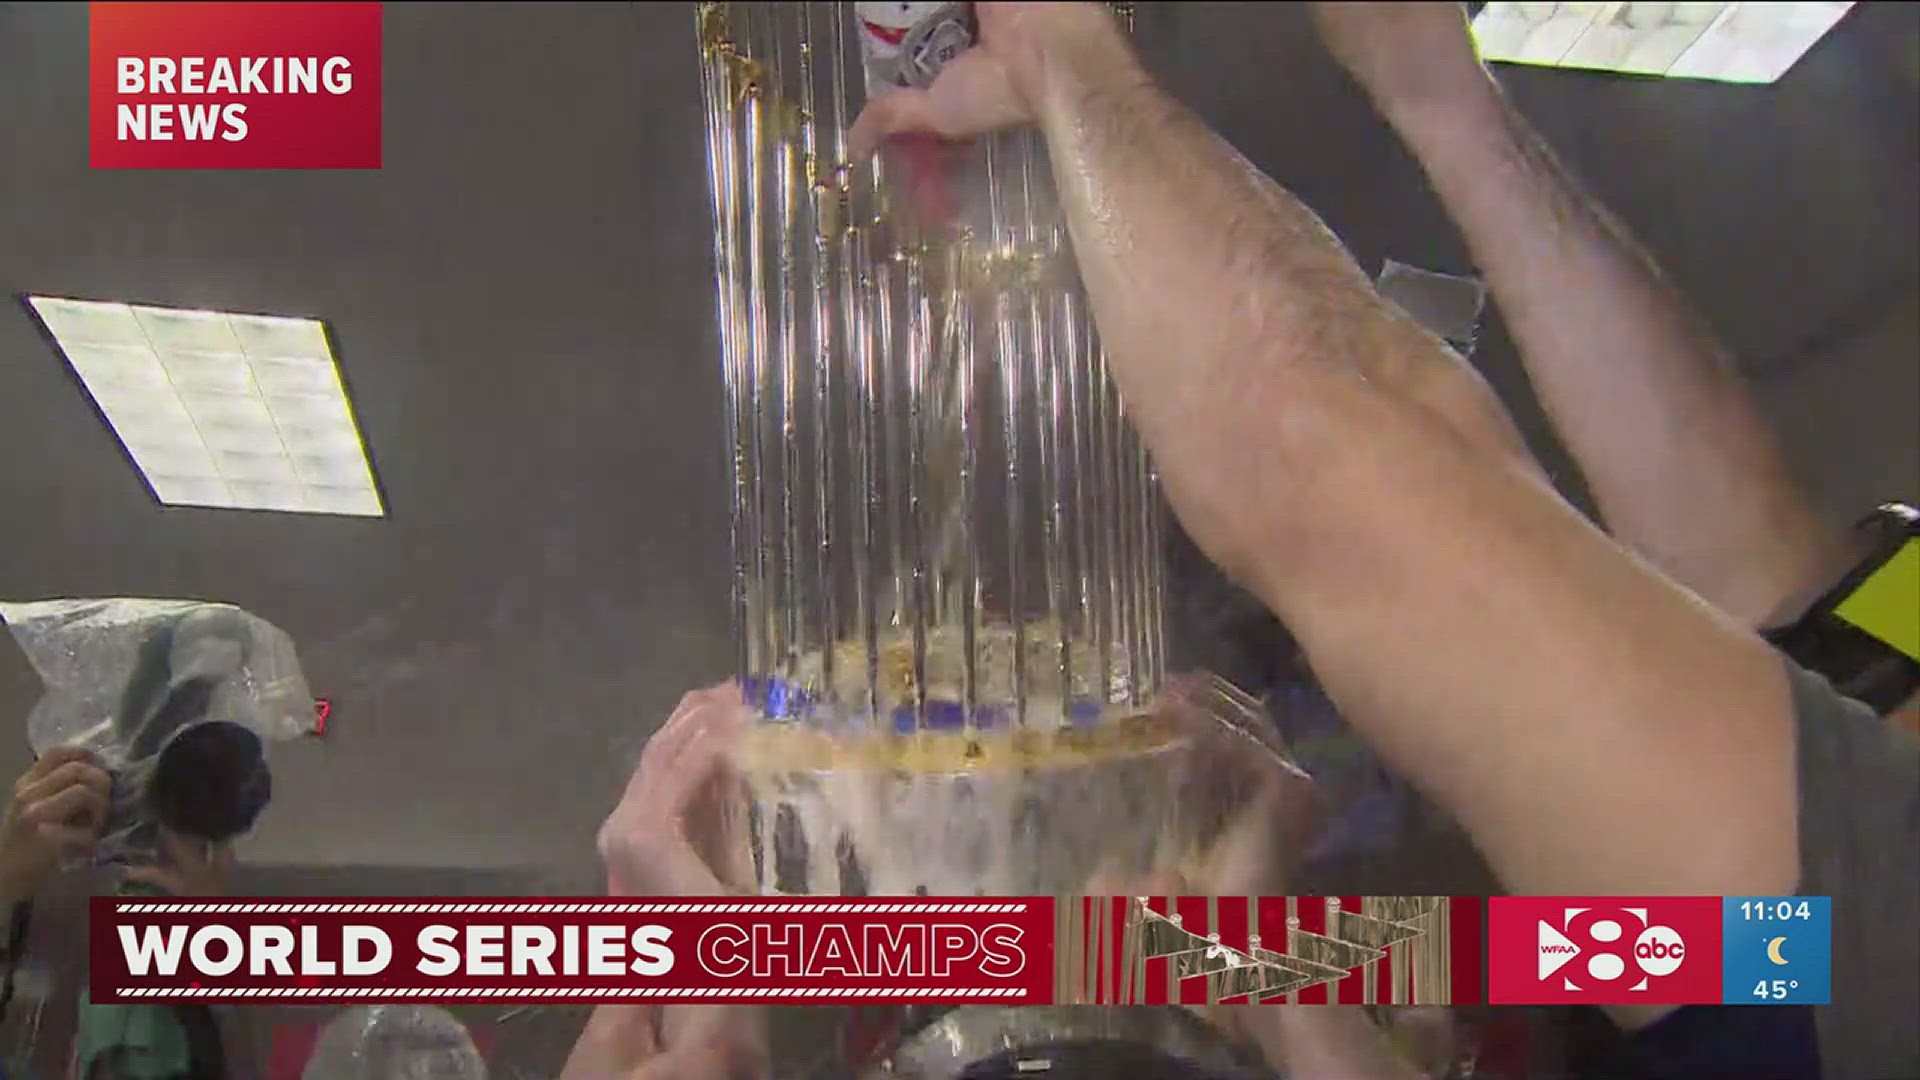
234,85
793,951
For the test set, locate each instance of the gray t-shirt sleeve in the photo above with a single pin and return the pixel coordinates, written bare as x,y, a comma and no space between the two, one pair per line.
1860,845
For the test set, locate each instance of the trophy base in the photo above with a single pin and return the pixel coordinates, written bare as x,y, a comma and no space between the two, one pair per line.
907,815
1010,811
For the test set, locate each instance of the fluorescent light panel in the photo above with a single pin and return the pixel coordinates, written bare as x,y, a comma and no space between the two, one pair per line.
1740,43
240,412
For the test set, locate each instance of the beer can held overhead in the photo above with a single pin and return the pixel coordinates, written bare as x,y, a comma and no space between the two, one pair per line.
906,44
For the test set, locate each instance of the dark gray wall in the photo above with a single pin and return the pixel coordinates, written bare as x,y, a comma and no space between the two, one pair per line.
523,306
521,297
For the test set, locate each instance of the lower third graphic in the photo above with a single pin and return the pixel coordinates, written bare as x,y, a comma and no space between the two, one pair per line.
1604,951
1778,950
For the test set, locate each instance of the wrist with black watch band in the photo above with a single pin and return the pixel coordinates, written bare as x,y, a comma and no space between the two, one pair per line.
1863,634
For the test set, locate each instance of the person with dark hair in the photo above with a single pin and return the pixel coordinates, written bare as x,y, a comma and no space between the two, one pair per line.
58,810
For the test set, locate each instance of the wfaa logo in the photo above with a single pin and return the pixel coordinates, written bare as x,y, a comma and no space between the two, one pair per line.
234,86
1604,951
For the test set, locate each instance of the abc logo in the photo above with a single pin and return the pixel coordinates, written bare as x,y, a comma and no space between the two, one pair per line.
1659,950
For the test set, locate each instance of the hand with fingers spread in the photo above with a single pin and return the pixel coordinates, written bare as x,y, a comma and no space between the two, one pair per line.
1258,812
680,827
186,866
679,830
59,807
999,83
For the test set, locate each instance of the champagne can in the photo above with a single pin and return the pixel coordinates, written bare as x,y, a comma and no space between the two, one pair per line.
906,44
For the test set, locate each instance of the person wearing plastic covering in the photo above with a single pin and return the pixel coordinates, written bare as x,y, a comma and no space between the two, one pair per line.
679,830
1597,728
1684,469
58,808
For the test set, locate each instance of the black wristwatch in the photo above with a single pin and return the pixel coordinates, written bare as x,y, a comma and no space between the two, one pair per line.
1864,633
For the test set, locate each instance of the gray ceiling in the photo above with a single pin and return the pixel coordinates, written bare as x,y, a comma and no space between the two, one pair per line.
521,300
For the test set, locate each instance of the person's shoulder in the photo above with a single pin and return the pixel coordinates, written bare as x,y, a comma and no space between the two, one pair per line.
1842,741
1859,794
1859,839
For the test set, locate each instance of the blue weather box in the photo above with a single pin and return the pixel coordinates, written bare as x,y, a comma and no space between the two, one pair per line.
1776,950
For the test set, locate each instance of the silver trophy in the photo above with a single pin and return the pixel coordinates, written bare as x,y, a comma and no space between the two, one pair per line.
948,572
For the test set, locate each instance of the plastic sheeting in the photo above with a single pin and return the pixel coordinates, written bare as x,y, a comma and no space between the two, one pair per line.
179,699
395,1042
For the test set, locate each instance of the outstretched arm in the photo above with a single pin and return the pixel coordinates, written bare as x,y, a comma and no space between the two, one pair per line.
1683,467
1563,700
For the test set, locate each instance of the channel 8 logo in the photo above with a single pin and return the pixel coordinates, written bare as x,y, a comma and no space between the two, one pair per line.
1599,948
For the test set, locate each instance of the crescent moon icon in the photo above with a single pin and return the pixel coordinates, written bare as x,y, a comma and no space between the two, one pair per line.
1773,950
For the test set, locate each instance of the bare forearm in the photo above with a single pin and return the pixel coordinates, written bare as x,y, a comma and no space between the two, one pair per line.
1204,329
1487,640
1294,290
1683,467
